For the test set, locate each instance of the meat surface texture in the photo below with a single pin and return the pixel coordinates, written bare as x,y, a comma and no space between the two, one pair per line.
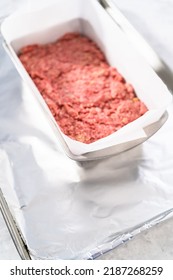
88,98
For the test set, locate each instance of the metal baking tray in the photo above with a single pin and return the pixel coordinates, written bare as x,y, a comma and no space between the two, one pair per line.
111,240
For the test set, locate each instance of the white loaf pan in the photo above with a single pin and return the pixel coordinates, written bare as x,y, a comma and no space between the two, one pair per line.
91,19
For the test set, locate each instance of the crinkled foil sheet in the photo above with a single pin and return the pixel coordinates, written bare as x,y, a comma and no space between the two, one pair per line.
70,210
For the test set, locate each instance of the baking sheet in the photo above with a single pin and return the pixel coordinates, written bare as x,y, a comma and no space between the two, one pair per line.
91,20
98,204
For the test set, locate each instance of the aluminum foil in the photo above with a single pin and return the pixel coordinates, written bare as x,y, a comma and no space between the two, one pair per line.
70,210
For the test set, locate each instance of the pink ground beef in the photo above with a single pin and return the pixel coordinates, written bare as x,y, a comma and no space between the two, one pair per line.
88,98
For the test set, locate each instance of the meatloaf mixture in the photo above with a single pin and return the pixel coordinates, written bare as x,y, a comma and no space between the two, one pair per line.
88,98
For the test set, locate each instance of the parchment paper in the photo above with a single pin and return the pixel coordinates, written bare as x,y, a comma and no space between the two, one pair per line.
90,19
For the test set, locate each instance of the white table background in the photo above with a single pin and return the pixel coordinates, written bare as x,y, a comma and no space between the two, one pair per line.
154,20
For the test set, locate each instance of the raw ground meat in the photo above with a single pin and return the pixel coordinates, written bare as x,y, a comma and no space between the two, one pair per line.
88,98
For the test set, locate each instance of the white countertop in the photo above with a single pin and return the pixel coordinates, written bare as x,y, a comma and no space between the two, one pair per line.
154,20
